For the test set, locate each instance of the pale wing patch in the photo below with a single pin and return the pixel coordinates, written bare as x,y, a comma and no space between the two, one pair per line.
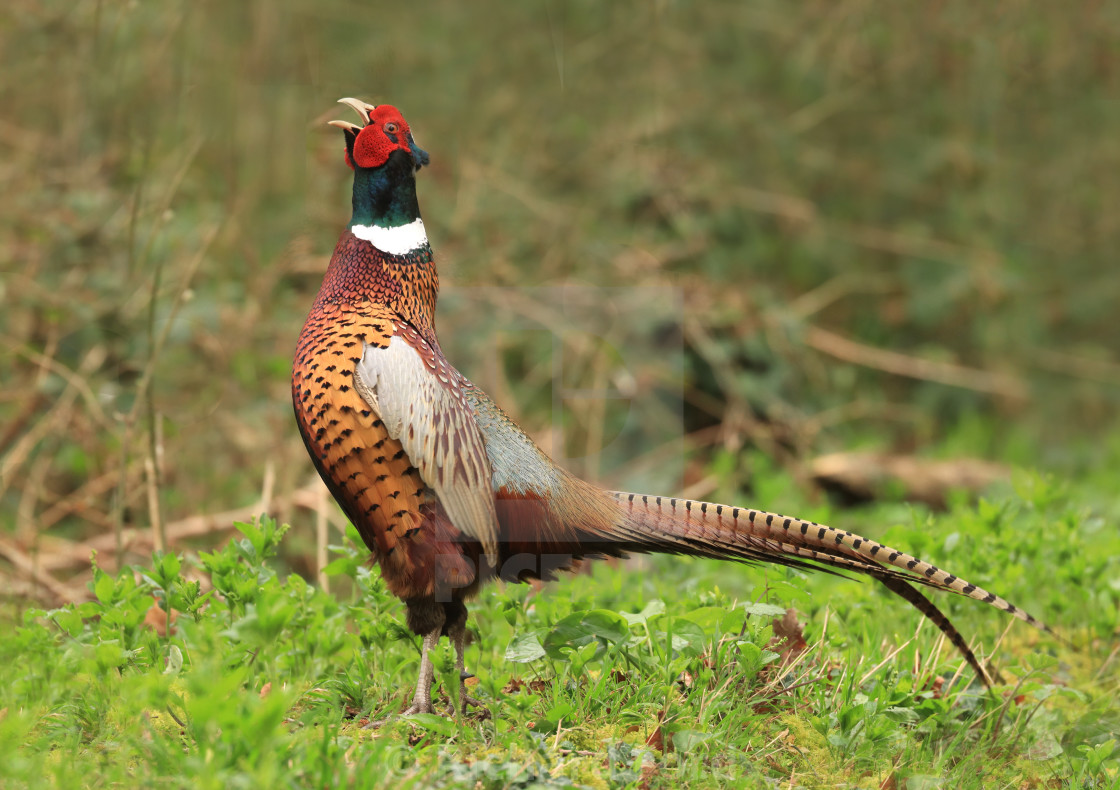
417,395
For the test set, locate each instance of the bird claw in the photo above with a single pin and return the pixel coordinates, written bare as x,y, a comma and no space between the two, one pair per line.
417,706
465,701
422,699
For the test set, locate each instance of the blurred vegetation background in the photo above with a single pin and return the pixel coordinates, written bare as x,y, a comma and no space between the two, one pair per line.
888,226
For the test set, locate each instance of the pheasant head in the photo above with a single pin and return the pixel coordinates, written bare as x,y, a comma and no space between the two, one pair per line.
385,132
384,157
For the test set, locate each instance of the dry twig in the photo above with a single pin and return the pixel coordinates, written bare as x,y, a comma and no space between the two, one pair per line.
834,345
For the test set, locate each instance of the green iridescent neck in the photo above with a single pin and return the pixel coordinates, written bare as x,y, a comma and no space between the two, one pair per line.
386,196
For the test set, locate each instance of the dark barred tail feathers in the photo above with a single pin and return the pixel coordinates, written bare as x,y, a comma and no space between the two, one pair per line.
930,611
731,523
685,526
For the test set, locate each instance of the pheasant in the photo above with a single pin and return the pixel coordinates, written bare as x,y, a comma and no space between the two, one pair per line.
446,491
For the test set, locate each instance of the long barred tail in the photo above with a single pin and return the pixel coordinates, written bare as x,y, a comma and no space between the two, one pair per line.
686,526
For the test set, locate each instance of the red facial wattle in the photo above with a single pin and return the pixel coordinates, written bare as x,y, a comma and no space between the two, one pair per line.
384,132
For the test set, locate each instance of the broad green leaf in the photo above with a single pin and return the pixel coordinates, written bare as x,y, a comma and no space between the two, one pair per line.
68,620
687,740
174,661
103,588
761,609
553,717
434,723
524,648
687,635
341,566
712,618
579,628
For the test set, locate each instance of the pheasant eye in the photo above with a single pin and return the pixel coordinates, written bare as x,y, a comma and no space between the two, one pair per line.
391,128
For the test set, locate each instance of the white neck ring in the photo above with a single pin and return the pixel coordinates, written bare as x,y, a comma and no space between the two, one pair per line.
400,240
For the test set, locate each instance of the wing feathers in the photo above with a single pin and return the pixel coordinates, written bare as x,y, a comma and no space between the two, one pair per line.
422,405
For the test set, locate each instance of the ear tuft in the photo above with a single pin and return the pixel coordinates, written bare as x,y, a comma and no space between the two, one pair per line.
419,156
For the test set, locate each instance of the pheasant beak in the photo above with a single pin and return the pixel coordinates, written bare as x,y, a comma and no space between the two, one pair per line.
358,106
346,126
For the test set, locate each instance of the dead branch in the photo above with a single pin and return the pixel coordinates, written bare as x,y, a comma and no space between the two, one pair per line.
34,571
834,345
139,539
865,476
77,501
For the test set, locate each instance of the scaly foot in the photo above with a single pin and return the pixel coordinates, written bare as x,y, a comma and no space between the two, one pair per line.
466,699
418,706
422,699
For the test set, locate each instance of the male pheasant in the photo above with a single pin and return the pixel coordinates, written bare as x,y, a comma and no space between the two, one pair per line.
445,490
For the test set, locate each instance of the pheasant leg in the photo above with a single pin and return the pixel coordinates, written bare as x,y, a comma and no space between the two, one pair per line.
422,699
458,636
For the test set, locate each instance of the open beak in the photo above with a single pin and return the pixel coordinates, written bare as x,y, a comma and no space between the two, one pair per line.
358,106
346,126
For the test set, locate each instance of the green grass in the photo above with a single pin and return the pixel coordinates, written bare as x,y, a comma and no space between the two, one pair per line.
266,681
936,181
